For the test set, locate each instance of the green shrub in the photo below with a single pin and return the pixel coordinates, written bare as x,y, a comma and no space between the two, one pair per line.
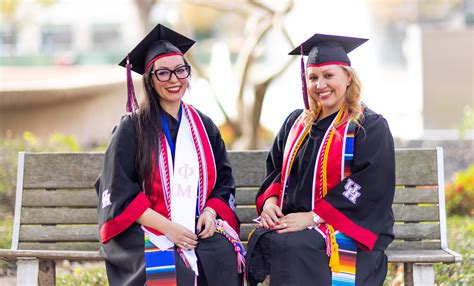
6,224
467,121
460,193
460,239
81,277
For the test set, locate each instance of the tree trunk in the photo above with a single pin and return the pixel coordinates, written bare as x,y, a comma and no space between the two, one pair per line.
260,91
144,9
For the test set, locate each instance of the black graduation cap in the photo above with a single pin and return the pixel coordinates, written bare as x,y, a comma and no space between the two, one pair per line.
324,49
160,41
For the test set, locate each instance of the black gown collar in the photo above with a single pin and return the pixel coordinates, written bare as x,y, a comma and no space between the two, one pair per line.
323,124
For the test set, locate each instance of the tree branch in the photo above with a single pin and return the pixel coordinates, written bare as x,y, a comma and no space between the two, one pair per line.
244,59
261,6
224,6
200,73
144,8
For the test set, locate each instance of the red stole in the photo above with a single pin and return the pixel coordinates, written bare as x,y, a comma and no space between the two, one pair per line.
335,171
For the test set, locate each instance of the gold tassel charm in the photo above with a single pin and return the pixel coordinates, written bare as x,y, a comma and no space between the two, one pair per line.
334,259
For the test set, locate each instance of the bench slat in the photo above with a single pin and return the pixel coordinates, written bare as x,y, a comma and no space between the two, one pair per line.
89,233
410,256
416,167
59,216
416,196
415,213
30,233
407,256
402,213
60,198
79,246
420,256
416,231
401,231
248,167
94,246
51,255
246,196
77,170
410,245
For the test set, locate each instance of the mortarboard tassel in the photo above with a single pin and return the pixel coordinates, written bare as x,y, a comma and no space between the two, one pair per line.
132,103
303,80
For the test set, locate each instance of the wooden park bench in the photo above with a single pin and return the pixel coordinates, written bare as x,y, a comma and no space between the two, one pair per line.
56,216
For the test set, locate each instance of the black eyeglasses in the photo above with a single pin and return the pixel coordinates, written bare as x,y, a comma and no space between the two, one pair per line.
181,72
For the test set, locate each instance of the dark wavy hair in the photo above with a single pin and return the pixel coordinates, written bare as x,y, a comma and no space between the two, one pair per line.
149,130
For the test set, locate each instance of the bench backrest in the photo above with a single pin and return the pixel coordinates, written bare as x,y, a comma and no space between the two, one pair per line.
56,203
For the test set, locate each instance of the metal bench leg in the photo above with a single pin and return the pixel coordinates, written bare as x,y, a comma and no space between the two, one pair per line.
408,274
27,270
423,274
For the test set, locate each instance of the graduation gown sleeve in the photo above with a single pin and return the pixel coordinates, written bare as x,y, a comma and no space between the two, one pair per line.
272,184
360,205
222,197
121,200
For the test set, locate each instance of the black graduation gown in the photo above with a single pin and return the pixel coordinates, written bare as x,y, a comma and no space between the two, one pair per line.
299,258
124,253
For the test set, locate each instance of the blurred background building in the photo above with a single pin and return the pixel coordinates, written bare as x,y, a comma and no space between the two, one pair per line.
59,73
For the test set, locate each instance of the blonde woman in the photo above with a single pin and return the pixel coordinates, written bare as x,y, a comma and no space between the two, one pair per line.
325,205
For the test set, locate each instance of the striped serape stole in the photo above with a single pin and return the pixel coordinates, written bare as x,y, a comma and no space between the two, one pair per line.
349,149
347,261
159,265
347,247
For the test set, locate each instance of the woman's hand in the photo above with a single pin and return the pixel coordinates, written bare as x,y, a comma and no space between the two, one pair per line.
271,213
295,222
180,236
207,219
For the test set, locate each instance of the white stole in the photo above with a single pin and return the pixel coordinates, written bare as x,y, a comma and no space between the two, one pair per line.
184,178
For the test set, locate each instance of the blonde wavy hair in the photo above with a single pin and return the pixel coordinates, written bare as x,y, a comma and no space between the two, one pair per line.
352,101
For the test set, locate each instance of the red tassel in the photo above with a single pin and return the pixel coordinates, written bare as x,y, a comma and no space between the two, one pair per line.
132,104
303,80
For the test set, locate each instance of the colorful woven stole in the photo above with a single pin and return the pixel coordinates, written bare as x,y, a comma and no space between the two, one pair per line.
342,249
160,265
347,261
229,233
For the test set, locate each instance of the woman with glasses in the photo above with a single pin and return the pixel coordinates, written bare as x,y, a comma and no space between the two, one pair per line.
166,192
